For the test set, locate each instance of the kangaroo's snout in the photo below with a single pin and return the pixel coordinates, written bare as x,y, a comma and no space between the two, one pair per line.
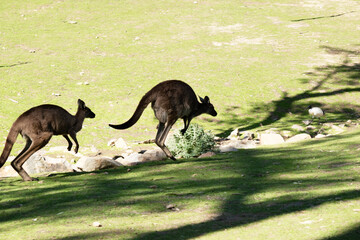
92,115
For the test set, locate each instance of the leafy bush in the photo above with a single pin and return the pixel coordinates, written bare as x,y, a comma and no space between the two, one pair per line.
193,143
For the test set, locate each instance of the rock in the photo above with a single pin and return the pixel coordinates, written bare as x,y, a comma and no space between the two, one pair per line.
299,137
118,143
336,129
172,207
8,171
58,149
286,133
237,134
89,164
147,156
153,155
310,127
234,134
96,224
130,160
271,138
38,163
207,154
234,145
298,128
227,148
320,136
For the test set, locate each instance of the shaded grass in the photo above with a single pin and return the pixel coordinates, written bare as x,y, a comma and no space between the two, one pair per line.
298,191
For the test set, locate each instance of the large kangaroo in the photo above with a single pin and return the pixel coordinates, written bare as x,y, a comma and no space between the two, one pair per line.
170,100
37,126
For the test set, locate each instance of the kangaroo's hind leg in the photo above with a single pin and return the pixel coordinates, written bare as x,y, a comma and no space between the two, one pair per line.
163,131
33,144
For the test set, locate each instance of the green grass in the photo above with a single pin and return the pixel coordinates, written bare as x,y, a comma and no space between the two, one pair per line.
260,62
297,191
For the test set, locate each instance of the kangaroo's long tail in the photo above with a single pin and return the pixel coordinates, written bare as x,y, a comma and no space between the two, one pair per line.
144,102
10,140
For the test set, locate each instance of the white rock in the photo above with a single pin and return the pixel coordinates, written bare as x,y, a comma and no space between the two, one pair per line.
234,134
320,136
286,133
299,137
337,129
8,171
131,160
96,224
58,149
89,164
120,143
39,163
271,138
153,155
227,148
238,144
298,127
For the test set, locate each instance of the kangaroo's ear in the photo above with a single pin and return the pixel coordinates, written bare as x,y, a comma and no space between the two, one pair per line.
201,99
207,99
81,103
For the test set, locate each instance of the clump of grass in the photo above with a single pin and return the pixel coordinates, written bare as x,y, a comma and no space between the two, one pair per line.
193,143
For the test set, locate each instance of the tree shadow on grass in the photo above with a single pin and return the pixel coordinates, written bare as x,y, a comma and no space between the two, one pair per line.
326,81
244,174
236,211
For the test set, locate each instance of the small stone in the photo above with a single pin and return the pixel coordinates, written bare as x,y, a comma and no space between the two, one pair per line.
207,154
298,127
172,207
96,224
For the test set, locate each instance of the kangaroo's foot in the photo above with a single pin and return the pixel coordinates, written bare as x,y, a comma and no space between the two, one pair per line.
26,177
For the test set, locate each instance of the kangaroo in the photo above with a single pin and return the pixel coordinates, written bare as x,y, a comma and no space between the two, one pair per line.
170,100
37,125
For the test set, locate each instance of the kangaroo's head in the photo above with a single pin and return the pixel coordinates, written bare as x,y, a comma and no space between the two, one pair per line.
207,106
82,107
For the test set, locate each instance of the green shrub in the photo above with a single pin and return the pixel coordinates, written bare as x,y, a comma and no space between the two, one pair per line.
193,143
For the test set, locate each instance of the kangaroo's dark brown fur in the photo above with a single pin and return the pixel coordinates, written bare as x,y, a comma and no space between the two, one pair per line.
170,100
37,126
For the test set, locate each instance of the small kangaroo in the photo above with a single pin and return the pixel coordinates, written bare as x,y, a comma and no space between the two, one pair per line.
170,100
37,125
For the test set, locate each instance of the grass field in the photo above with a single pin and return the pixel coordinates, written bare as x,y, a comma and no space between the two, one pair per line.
260,62
300,191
